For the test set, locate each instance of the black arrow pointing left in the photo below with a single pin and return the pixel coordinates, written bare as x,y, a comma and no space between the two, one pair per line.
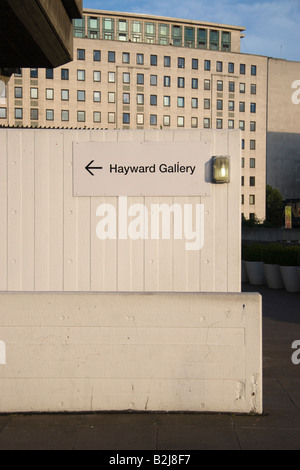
89,167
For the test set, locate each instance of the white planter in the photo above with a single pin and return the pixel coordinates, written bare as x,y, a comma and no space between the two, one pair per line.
290,278
273,276
244,273
256,273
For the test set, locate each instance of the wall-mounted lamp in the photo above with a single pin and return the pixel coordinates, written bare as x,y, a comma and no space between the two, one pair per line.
221,170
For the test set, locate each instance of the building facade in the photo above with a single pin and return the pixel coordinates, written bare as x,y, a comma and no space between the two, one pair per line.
142,72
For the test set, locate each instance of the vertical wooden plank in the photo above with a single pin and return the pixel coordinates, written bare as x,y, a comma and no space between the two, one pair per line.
234,211
70,216
3,210
14,248
42,210
28,209
56,213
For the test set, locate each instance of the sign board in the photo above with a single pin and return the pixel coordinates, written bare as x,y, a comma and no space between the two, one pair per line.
288,217
141,169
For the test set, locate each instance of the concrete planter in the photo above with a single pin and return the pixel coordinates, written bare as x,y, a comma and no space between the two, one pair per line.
273,276
256,273
291,278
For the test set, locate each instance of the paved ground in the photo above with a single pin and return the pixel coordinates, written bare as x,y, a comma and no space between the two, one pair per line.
279,428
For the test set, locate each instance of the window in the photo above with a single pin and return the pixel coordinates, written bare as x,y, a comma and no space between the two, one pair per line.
231,106
214,40
94,28
253,89
243,144
207,65
167,82
206,123
181,62
207,103
65,74
226,41
180,121
231,87
253,126
112,118
252,144
80,116
65,115
34,73
140,59
231,124
97,56
65,95
49,114
111,97
242,125
167,61
97,76
126,77
97,96
195,83
97,116
3,113
167,121
80,95
126,98
207,85
231,67
243,181
189,36
243,162
195,103
180,102
111,56
140,79
253,107
242,107
79,28
167,101
153,100
18,92
126,118
80,54
140,119
253,70
111,77
126,58
181,82
219,67
49,74
153,120
220,85
153,80
153,60
194,122
220,105
140,99
202,38
219,123
49,94
242,88
34,114
252,163
242,69
177,36
252,199
81,75
195,64
252,181
34,93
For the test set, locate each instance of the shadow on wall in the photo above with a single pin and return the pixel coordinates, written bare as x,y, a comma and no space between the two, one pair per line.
283,163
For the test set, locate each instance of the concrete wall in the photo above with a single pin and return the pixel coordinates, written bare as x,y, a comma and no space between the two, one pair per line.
160,352
48,237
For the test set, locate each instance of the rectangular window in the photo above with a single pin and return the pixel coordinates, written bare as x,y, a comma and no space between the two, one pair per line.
189,36
18,92
80,116
167,121
126,77
231,67
231,106
219,123
49,94
153,100
195,83
194,123
97,96
65,74
231,87
126,98
253,126
140,119
111,77
97,56
153,60
195,103
207,103
140,79
126,58
111,56
242,88
34,93
167,101
220,85
253,70
65,95
126,118
206,123
214,40
111,97
81,75
207,65
49,74
219,66
49,114
181,82
140,99
242,107
253,108
153,80
253,89
231,124
177,36
80,54
180,102
207,85
220,105
167,61
80,95
112,118
97,116
252,163
97,76
202,38
3,113
252,200
94,28
153,120
252,144
195,64
34,73
242,69
180,121
34,114
140,59
167,81
181,62
252,181
242,125
65,115
226,41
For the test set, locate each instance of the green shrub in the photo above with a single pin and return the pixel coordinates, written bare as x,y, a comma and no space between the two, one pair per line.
289,256
271,253
253,252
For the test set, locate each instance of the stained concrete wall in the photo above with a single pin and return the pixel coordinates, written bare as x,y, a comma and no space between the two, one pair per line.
159,352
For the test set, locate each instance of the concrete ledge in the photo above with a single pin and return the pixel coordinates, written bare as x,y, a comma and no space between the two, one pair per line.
153,352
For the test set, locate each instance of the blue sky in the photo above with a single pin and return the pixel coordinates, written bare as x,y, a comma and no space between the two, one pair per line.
273,26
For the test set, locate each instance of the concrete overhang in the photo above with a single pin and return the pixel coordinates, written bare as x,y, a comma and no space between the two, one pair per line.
37,33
